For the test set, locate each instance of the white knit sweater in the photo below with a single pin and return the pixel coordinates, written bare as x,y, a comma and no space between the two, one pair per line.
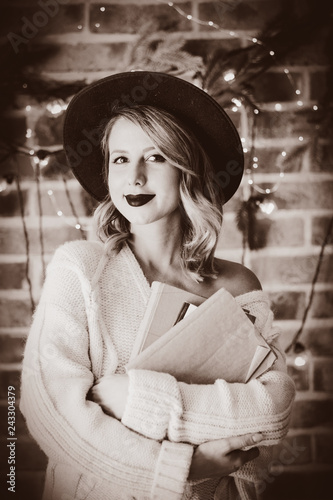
85,326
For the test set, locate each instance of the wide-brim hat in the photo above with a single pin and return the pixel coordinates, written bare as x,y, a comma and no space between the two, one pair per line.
91,109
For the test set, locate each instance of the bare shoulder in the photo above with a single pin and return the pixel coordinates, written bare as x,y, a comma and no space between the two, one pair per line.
235,277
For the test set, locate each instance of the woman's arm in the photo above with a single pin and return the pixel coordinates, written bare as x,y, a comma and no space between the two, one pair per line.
158,406
69,428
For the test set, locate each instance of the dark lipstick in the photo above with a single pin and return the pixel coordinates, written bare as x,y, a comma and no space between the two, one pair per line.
137,200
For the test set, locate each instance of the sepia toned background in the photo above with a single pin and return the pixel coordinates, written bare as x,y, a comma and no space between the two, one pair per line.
269,63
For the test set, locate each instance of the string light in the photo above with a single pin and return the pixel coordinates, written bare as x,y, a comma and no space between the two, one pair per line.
267,206
56,107
229,75
3,185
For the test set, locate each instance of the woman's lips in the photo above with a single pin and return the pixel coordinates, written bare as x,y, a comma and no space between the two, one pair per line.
137,200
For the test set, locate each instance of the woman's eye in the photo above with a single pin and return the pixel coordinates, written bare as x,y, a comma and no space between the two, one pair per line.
156,158
119,160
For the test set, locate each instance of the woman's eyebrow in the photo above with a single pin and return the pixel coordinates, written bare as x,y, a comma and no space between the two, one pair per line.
118,151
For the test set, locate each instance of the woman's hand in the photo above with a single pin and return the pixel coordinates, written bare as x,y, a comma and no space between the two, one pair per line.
223,456
111,393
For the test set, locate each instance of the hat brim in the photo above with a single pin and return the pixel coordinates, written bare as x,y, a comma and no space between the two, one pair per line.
90,110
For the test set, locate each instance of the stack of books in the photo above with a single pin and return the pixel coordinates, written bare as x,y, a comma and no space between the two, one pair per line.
199,340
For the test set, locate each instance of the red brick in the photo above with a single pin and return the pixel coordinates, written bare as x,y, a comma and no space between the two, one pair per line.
319,341
275,87
319,230
10,203
294,450
238,14
12,275
85,57
303,195
312,413
300,377
12,240
322,305
61,201
130,18
272,124
271,160
298,269
287,305
324,447
15,313
323,375
318,85
283,232
322,157
38,22
11,349
10,378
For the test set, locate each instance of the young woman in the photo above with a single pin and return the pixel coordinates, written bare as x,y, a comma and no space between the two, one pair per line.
167,160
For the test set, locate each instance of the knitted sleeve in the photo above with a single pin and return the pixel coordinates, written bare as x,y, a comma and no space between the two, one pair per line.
158,406
69,428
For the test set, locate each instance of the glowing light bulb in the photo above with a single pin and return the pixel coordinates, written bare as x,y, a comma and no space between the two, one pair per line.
284,153
77,226
254,40
267,191
250,181
102,9
59,213
271,53
255,165
286,70
234,109
243,139
229,75
256,111
315,107
278,106
236,101
281,174
298,92
28,133
31,152
97,25
50,192
245,150
299,361
28,108
301,138
255,159
267,207
80,27
210,23
300,103
3,185
189,17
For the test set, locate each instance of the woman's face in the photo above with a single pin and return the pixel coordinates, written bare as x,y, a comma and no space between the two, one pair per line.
143,185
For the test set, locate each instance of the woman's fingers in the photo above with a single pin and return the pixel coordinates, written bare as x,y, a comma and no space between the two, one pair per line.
223,456
239,442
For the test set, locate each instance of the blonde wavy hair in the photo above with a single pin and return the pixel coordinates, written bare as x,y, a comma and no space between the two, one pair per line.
201,200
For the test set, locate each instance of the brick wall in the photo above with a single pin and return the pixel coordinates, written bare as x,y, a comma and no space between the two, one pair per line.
90,43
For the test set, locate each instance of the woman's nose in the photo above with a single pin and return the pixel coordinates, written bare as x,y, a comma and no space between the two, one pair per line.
137,174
